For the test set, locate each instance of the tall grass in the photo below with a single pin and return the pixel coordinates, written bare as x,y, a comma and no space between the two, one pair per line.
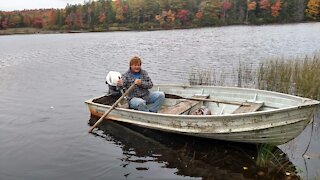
273,159
275,75
206,77
297,76
245,75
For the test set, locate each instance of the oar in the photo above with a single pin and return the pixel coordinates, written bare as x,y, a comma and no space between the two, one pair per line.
173,96
112,107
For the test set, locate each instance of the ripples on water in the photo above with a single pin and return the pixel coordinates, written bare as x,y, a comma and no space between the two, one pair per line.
44,80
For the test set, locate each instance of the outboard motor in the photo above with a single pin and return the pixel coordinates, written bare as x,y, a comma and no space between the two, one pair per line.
112,81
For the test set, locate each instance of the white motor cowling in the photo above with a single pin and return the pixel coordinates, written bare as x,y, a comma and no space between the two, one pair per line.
113,77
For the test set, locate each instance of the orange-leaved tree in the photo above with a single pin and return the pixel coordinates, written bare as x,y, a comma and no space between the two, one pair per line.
264,4
118,7
251,6
275,8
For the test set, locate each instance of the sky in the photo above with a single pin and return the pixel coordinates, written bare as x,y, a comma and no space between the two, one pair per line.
11,5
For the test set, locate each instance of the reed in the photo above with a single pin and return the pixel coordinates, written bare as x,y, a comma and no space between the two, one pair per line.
264,154
206,77
296,76
274,160
276,75
245,75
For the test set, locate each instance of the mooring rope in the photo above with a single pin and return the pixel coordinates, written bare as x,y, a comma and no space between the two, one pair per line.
311,134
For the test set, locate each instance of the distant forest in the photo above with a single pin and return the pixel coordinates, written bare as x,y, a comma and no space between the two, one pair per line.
104,15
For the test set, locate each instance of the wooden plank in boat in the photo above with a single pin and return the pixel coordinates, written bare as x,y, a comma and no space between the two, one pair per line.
254,106
179,108
182,106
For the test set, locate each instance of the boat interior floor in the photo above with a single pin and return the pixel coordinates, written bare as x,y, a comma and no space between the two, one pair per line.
181,106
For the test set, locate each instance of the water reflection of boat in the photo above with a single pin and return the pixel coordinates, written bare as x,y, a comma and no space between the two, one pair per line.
191,156
256,117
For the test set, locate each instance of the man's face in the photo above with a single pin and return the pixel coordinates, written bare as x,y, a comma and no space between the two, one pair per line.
135,67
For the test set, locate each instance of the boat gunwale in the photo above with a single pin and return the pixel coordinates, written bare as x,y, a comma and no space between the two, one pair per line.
237,88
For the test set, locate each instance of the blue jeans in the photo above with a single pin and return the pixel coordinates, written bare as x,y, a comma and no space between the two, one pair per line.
151,104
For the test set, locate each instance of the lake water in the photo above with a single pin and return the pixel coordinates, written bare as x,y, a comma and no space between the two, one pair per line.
45,79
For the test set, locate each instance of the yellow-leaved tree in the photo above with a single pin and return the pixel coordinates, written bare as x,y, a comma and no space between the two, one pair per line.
313,10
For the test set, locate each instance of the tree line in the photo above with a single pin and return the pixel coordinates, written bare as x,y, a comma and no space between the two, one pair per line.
103,15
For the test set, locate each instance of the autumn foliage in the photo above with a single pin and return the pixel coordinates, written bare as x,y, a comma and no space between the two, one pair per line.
313,9
252,5
137,14
264,4
275,8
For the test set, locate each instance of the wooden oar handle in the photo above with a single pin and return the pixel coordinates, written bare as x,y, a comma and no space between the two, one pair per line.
174,96
220,101
111,108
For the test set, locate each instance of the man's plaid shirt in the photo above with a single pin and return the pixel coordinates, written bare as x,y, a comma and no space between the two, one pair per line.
141,91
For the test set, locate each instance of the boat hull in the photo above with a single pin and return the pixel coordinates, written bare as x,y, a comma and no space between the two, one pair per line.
276,126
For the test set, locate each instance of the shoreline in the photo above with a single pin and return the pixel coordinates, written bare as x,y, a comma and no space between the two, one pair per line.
28,30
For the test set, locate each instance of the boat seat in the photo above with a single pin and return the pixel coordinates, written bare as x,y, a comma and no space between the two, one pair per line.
254,106
183,107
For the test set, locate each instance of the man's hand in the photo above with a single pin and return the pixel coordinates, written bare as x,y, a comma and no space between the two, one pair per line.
137,82
120,82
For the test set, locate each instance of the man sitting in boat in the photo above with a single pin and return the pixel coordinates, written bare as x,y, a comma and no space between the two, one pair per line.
140,98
